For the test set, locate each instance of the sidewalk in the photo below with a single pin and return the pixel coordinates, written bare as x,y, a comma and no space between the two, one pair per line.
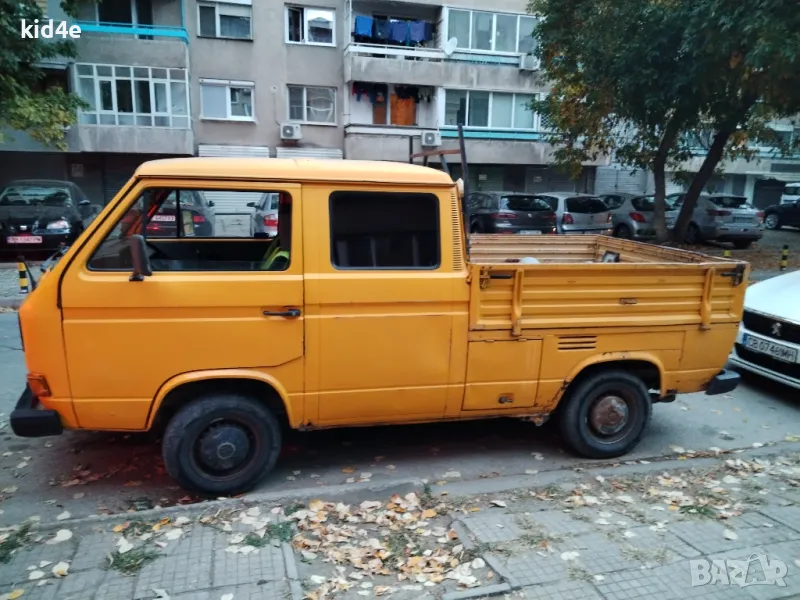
617,537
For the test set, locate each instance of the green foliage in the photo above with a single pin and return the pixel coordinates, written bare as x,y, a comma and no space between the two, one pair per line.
651,81
25,102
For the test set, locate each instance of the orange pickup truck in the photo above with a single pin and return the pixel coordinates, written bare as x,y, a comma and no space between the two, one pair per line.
367,308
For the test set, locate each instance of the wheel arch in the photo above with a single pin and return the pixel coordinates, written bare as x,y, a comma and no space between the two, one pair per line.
181,389
644,365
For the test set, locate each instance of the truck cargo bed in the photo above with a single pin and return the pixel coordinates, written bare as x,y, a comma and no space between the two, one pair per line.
572,286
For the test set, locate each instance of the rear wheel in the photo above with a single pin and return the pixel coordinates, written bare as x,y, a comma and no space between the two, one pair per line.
742,244
692,234
606,414
772,221
221,444
624,232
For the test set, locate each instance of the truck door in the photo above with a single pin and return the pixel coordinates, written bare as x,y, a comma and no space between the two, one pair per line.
381,305
211,303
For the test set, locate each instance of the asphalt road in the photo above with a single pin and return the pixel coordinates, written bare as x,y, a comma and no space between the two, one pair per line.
95,473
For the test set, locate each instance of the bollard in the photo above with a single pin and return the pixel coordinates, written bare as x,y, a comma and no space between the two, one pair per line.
784,257
22,270
726,254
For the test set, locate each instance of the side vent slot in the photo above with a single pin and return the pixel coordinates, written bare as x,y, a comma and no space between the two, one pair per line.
577,342
458,241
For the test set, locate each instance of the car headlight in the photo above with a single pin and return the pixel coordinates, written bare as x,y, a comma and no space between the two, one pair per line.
60,225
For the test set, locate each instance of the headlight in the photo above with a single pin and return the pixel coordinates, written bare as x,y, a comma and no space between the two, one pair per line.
60,225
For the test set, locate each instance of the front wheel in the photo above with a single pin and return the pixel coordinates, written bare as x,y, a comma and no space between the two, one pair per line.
692,234
606,414
772,221
624,232
221,444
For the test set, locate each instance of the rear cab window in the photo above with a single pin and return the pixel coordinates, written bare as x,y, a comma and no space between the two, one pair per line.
523,203
586,205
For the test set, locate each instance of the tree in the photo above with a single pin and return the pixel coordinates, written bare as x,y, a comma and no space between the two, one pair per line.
26,103
643,80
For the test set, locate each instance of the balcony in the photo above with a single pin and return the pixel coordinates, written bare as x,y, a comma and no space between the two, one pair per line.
131,140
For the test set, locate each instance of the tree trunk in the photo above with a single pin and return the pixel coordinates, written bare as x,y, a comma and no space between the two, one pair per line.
659,177
699,181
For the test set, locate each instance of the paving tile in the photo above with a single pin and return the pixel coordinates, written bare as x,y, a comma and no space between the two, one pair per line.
658,546
116,586
598,554
16,570
270,590
93,551
81,586
32,591
238,569
491,529
635,584
186,569
559,523
678,578
531,568
787,516
707,536
564,590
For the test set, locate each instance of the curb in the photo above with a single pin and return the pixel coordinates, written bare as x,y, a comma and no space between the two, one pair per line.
291,572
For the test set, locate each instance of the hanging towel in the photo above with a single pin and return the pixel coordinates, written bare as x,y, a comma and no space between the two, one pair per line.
417,31
428,32
364,26
381,30
398,32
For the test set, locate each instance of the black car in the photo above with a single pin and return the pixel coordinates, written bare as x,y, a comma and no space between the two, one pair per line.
265,216
778,215
42,214
510,212
197,216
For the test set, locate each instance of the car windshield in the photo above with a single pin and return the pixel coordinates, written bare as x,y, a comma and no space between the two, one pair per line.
523,203
729,201
35,195
586,205
792,190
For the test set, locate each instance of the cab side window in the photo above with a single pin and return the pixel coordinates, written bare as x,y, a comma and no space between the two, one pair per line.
384,230
201,230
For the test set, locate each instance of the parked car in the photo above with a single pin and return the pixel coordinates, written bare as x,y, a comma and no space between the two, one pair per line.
791,193
42,214
785,213
265,216
579,213
510,212
633,217
768,342
162,223
722,218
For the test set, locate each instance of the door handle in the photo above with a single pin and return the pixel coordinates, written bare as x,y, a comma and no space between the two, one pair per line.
289,313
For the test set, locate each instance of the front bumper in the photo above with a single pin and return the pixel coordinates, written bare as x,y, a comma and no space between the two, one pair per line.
733,233
723,382
29,421
50,242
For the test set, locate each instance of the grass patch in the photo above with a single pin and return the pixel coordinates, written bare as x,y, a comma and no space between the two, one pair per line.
132,561
426,498
280,531
701,510
397,542
293,508
14,541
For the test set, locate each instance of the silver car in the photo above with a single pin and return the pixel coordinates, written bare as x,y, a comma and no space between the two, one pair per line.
633,216
722,218
579,213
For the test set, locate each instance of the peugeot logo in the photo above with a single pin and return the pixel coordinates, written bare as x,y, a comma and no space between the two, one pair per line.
776,329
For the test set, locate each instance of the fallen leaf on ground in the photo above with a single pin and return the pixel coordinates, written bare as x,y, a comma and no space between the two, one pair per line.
757,445
226,597
499,503
63,516
625,499
61,569
531,471
174,534
62,535
13,595
451,475
677,449
161,594
22,465
428,514
121,527
730,535
570,555
133,484
10,489
124,546
181,521
34,575
348,470
537,456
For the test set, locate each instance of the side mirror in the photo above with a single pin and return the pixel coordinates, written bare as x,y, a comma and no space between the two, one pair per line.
211,203
251,204
141,262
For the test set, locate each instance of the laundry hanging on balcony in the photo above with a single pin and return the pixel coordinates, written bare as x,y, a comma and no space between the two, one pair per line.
377,92
363,28
392,31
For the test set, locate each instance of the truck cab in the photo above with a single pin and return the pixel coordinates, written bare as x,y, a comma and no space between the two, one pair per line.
366,308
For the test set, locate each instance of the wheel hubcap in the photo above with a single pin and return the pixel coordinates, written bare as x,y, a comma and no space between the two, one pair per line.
223,447
771,221
609,415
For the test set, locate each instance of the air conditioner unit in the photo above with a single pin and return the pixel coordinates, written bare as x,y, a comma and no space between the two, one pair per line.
529,62
291,131
431,138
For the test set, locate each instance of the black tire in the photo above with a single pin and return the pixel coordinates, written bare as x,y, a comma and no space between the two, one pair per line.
772,221
582,436
742,244
623,232
474,228
244,420
692,234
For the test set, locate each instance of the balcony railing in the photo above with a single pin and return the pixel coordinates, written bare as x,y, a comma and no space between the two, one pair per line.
167,31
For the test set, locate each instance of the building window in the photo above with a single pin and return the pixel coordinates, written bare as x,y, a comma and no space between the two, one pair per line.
312,105
139,96
220,20
305,25
490,110
491,32
229,100
384,230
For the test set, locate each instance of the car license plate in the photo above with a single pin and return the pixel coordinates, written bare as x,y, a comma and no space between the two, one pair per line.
163,218
530,232
24,239
742,219
777,351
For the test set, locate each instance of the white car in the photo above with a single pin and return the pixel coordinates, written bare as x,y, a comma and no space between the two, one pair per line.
768,342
